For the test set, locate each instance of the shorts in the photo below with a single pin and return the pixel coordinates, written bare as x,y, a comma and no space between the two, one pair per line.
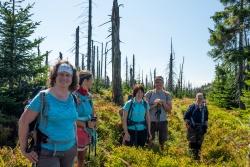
83,139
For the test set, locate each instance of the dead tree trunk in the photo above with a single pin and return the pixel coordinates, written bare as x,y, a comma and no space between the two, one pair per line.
47,58
93,62
77,49
151,79
83,59
181,76
131,76
133,69
146,82
102,61
38,50
105,64
99,70
116,55
60,56
89,35
170,76
39,53
154,74
97,62
240,81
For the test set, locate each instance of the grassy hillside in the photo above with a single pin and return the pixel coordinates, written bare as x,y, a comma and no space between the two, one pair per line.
225,143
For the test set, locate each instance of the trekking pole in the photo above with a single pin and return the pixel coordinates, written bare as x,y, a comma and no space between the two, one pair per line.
95,140
89,153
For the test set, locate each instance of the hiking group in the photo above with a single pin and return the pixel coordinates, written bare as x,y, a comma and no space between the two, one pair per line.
59,123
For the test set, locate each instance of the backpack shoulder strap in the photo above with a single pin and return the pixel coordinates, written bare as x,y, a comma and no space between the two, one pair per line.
167,94
150,94
75,97
193,107
130,109
43,107
145,107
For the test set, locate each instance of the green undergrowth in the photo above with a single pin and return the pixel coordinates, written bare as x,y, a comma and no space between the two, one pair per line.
226,142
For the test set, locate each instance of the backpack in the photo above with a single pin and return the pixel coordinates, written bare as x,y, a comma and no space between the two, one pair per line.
35,136
130,96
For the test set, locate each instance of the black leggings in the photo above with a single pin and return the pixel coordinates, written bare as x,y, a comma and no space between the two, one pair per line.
137,138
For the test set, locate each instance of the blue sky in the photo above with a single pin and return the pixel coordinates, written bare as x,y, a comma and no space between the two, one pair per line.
146,29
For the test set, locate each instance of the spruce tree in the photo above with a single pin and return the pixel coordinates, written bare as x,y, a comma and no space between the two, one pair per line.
228,39
246,92
19,60
20,64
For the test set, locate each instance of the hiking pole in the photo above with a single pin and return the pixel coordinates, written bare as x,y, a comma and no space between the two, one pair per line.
95,140
89,153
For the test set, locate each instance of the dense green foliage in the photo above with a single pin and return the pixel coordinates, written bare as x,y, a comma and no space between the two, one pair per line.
230,47
21,68
246,97
223,88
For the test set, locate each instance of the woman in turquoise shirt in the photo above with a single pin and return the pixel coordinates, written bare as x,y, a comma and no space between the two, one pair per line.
136,119
85,120
57,121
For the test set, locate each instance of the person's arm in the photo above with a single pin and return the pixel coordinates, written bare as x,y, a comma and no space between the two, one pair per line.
205,125
167,106
206,116
149,124
80,124
187,116
151,104
125,126
167,103
23,127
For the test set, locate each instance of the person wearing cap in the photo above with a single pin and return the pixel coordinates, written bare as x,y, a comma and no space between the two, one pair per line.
57,124
196,119
160,106
86,121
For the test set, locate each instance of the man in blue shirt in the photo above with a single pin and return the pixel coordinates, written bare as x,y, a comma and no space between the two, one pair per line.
196,119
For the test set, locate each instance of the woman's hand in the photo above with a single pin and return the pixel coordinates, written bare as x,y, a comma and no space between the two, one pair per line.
149,137
127,137
31,156
91,124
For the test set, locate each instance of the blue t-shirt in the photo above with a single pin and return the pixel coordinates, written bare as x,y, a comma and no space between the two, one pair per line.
85,109
60,125
138,113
